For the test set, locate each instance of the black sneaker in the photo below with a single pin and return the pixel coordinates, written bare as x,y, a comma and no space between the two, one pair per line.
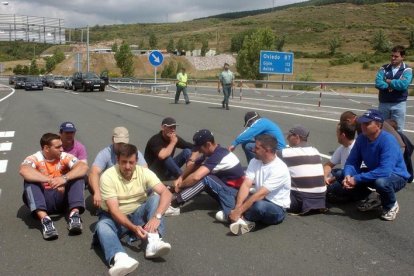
48,229
75,224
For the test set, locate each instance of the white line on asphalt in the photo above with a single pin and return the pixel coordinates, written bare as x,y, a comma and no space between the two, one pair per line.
122,103
3,166
2,99
6,134
5,146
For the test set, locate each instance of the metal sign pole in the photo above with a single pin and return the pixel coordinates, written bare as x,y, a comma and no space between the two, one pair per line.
155,74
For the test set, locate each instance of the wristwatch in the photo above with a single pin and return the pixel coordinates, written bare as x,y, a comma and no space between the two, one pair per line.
65,177
158,216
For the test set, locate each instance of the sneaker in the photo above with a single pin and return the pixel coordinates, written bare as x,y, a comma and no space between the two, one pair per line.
123,265
171,211
75,224
48,229
221,217
241,227
156,247
391,214
373,201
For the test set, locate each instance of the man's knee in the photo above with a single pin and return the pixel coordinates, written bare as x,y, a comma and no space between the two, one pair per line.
382,184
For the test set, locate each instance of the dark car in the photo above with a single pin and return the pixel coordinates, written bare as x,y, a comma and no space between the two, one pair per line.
20,82
87,81
12,79
33,83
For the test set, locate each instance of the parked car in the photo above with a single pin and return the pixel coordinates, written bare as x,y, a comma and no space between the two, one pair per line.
33,83
87,81
48,80
57,81
20,82
68,83
12,79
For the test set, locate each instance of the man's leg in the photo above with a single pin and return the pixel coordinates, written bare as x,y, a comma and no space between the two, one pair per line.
248,150
182,157
75,196
187,100
398,114
187,194
384,108
177,93
172,169
387,187
226,93
265,212
226,195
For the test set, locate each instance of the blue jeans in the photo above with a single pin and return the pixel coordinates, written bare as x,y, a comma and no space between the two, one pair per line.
248,149
265,212
178,92
395,111
226,195
173,164
109,232
226,93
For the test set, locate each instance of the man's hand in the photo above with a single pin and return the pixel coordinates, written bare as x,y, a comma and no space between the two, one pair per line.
329,180
177,183
140,232
235,214
173,138
349,182
231,148
57,182
152,225
97,199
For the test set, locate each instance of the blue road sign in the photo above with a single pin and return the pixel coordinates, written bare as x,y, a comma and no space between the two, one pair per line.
156,58
276,63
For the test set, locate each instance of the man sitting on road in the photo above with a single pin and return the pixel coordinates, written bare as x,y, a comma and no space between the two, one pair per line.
160,151
106,158
128,210
256,125
385,170
70,145
54,181
272,181
308,189
217,171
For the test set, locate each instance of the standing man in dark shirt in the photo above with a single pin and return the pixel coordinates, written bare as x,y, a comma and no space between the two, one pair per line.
160,149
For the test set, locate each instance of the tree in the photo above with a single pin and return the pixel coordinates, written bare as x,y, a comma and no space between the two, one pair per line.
237,40
114,47
141,45
18,69
249,56
181,45
59,56
204,47
50,64
380,42
280,42
125,60
170,46
411,39
169,71
334,44
33,70
153,41
179,66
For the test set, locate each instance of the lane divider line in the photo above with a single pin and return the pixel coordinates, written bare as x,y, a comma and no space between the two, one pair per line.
7,134
5,146
121,103
3,165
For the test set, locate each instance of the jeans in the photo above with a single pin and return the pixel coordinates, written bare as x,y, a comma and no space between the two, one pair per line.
178,92
248,149
395,111
109,232
173,165
225,194
226,93
265,212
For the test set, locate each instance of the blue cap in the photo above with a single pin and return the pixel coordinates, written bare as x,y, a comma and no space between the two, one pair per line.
201,137
67,127
371,115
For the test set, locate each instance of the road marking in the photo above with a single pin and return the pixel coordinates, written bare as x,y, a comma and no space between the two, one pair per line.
6,134
2,99
121,103
3,165
5,146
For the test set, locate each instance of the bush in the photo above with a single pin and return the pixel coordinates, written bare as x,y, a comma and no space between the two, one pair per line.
347,59
303,77
365,66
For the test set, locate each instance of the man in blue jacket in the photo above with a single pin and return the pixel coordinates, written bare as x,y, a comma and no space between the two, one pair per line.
385,168
256,125
392,81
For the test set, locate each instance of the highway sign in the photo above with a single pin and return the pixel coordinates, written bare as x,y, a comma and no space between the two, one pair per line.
156,58
276,62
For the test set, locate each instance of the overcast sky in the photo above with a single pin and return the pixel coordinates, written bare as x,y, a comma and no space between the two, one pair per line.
78,13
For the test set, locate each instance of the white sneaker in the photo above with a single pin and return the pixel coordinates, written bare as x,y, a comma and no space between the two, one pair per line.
391,214
123,265
241,227
156,247
171,211
221,217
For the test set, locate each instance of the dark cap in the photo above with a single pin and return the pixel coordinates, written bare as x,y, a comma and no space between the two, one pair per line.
300,131
169,122
67,127
250,117
201,137
371,115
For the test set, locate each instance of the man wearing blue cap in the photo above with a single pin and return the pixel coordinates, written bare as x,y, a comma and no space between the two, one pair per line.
385,169
70,144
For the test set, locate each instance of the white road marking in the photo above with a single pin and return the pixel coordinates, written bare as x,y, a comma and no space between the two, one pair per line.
6,134
2,99
3,165
5,146
121,103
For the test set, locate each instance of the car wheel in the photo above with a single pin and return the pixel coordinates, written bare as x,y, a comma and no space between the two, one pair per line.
73,87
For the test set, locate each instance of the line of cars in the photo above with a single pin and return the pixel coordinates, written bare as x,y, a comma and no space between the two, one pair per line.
26,82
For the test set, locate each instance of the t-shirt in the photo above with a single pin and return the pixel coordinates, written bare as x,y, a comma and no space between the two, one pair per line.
225,165
226,77
106,158
154,145
341,154
275,177
51,168
130,193
78,150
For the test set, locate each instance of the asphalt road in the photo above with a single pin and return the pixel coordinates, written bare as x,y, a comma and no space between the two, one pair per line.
344,241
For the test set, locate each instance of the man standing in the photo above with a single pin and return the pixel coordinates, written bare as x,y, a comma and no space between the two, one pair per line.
256,125
106,158
272,181
182,86
392,81
308,189
160,150
385,168
128,210
54,181
70,145
227,81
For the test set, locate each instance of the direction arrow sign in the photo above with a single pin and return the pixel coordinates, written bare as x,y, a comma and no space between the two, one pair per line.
156,58
276,62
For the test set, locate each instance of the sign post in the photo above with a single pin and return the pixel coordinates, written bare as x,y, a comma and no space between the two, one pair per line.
156,59
276,63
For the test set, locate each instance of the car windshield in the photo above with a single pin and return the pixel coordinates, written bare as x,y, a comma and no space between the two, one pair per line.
21,78
33,79
91,76
59,78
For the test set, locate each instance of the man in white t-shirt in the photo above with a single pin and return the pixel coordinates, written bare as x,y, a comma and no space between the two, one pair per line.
272,180
345,134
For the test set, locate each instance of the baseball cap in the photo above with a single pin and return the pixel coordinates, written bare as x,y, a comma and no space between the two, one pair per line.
120,135
169,122
250,117
371,115
299,130
67,127
201,137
